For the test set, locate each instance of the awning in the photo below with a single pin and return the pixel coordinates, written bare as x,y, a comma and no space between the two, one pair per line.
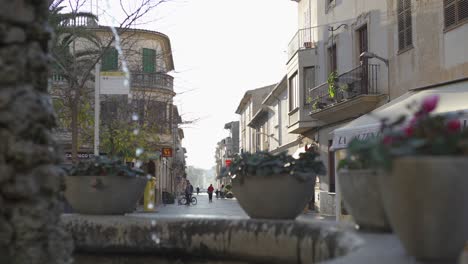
453,98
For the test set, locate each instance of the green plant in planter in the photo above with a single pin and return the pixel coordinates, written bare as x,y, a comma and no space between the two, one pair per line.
331,80
102,166
421,134
362,154
266,164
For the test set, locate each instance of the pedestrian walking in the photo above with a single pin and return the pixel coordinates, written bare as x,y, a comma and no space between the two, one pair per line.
222,191
210,193
198,190
217,194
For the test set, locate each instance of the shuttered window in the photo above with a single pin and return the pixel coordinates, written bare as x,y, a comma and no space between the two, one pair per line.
110,60
455,12
149,60
405,33
293,92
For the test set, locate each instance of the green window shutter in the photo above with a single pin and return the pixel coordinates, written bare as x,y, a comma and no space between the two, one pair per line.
149,60
110,60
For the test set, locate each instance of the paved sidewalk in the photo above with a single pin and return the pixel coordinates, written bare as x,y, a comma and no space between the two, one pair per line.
219,208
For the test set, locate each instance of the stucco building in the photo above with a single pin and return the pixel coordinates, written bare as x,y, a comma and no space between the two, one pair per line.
148,56
406,45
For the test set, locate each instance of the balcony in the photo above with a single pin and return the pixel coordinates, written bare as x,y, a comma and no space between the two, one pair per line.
154,80
303,39
80,21
356,92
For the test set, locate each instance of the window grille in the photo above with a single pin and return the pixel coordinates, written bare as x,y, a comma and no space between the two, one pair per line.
405,33
455,12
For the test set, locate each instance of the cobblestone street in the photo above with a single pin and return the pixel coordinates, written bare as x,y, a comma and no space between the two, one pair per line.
220,208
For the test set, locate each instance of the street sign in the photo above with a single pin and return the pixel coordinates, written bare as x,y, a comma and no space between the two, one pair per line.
167,152
228,163
113,83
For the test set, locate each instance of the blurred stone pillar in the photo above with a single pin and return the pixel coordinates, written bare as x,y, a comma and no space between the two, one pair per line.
29,182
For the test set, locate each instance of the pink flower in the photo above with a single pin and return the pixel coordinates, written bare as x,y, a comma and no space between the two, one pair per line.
409,130
430,103
387,140
454,125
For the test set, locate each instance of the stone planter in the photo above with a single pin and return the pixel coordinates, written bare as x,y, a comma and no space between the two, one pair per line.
361,196
104,194
273,197
426,202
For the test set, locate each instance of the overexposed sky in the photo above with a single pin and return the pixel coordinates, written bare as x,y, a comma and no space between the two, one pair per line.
222,48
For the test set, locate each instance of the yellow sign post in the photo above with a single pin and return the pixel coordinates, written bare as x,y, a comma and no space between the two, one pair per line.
149,195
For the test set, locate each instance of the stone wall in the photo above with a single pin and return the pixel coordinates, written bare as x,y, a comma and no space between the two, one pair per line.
327,203
29,181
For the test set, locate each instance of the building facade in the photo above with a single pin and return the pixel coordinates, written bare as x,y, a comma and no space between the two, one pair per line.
226,150
149,103
377,50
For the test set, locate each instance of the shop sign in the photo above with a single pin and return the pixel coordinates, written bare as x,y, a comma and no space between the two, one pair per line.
166,152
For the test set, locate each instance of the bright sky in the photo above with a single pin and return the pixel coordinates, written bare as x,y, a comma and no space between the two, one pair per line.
222,48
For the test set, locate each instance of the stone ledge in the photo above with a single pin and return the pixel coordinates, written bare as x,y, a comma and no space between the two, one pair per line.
381,248
100,238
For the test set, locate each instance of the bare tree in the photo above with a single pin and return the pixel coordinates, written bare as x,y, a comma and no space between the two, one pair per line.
78,67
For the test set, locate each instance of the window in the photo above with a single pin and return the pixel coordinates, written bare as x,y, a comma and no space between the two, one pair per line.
455,12
309,83
332,61
293,92
110,60
149,60
405,37
362,38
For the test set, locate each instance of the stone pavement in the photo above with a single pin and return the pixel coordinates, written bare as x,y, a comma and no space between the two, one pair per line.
219,208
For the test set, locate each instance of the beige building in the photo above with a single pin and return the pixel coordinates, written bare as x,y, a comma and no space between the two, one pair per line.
148,56
407,45
253,138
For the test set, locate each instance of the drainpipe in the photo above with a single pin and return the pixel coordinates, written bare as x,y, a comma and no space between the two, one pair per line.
337,190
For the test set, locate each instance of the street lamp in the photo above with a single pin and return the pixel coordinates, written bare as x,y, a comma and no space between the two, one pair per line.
371,55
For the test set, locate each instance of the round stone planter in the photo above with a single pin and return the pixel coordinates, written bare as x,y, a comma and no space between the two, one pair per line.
104,194
361,195
279,196
426,202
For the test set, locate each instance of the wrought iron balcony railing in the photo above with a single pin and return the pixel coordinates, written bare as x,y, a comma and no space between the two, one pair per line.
152,80
303,39
361,80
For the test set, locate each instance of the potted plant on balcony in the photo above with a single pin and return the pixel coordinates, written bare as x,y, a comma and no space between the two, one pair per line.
424,187
104,186
359,186
331,81
275,186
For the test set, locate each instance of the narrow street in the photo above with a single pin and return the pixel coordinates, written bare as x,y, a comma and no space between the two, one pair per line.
220,208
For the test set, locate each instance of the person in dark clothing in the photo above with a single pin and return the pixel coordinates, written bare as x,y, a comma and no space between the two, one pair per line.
198,190
210,193
221,192
217,194
188,193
